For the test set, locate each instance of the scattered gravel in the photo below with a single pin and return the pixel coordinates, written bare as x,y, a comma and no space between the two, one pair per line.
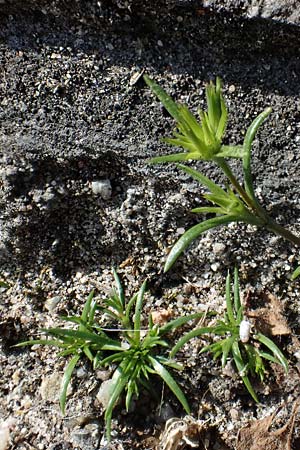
78,197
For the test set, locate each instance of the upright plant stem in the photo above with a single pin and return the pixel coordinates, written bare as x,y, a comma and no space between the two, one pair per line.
258,210
281,231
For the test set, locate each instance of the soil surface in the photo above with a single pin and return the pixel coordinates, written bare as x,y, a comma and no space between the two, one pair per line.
78,197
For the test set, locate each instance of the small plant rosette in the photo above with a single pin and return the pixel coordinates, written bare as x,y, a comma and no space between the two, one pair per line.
233,339
137,354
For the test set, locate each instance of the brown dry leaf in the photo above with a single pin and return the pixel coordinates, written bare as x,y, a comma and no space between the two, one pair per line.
256,435
161,316
269,319
186,432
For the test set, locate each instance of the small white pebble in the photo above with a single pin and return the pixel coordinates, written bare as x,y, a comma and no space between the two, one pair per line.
219,248
51,303
103,188
215,267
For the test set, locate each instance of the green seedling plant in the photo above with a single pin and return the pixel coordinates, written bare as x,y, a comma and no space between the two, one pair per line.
136,355
87,340
233,339
203,140
140,355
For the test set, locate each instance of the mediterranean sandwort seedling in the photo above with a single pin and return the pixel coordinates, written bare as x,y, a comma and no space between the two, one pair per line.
87,340
202,140
233,339
138,353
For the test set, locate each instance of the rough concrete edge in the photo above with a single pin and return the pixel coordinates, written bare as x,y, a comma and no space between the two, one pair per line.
284,11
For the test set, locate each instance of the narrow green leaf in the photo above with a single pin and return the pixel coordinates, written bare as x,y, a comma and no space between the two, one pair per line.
174,157
120,290
213,104
109,313
236,291
130,305
165,99
231,151
295,274
240,365
92,313
215,348
137,313
193,233
132,387
240,314
274,349
198,176
193,148
208,210
69,351
65,382
115,357
87,306
72,319
120,380
250,135
169,380
226,348
176,323
115,304
188,336
192,129
169,362
229,307
223,119
269,357
88,353
112,347
83,336
52,342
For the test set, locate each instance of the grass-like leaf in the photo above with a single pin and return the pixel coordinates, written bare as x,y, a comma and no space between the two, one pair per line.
187,337
236,293
176,323
66,380
198,176
236,353
138,310
84,336
192,234
231,151
250,135
169,380
274,349
165,99
295,274
229,306
120,380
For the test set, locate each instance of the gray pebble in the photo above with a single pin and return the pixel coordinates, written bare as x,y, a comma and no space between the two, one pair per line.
102,188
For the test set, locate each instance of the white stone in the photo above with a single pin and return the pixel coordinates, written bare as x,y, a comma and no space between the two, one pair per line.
105,392
51,387
103,188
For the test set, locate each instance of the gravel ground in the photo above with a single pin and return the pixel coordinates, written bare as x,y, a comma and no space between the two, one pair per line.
77,197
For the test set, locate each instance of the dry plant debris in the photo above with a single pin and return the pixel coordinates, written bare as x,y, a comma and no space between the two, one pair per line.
186,432
269,319
257,434
161,316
